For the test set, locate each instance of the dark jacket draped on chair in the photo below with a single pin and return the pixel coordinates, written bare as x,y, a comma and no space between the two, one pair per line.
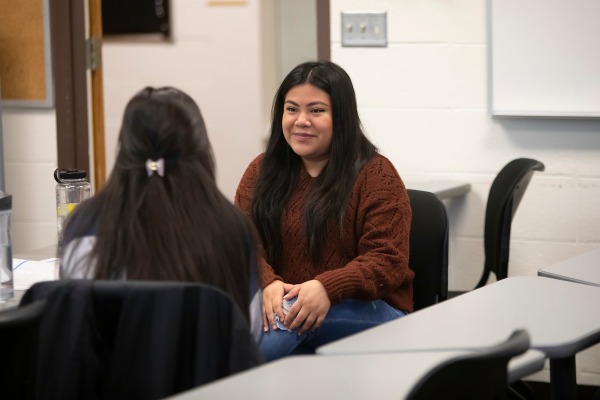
142,340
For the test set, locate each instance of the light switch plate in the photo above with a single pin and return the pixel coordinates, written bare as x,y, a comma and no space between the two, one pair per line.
364,28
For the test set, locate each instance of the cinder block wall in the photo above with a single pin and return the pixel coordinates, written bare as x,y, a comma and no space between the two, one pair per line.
423,101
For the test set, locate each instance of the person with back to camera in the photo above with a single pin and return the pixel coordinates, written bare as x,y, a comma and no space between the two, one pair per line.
160,215
333,215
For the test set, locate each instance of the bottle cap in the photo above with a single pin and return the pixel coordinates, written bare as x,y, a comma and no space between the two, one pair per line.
5,202
68,174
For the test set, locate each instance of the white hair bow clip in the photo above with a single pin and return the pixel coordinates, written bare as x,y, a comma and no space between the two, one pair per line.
155,166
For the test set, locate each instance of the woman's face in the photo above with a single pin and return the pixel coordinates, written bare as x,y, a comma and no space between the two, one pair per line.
307,124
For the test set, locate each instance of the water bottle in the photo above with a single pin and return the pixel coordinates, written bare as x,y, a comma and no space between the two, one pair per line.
6,267
72,188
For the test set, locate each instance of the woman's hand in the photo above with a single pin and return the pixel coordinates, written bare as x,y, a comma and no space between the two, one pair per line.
272,296
310,308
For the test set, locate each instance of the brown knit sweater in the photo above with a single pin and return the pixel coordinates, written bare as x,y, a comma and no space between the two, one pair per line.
370,259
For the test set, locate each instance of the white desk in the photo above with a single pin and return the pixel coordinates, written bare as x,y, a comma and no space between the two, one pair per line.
361,376
556,314
584,268
28,274
442,188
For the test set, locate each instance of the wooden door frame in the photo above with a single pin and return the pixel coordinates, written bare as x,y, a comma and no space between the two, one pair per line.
323,30
97,88
69,49
69,65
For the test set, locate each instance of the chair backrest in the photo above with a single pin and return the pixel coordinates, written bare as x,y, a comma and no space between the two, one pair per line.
428,256
142,340
505,194
19,331
481,375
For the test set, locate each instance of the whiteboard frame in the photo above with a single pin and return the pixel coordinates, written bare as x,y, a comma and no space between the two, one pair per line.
507,112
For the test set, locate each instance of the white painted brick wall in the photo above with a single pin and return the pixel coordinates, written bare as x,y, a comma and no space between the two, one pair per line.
423,101
30,160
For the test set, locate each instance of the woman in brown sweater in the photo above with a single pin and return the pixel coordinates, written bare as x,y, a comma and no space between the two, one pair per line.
333,215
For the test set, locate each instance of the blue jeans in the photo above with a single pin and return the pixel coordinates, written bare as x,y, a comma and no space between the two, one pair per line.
343,319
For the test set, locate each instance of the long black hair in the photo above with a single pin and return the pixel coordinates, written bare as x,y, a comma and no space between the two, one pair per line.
179,226
279,170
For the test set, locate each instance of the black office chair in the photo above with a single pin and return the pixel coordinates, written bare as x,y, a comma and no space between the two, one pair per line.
136,340
505,194
19,331
481,375
428,256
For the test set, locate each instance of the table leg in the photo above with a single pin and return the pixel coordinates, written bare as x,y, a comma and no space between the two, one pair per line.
562,378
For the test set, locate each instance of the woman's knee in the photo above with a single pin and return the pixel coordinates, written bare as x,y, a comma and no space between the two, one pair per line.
278,343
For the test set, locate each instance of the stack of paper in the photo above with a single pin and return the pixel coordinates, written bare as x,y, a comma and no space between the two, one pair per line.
28,272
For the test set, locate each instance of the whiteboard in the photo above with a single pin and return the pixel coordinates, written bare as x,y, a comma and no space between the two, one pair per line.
544,58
